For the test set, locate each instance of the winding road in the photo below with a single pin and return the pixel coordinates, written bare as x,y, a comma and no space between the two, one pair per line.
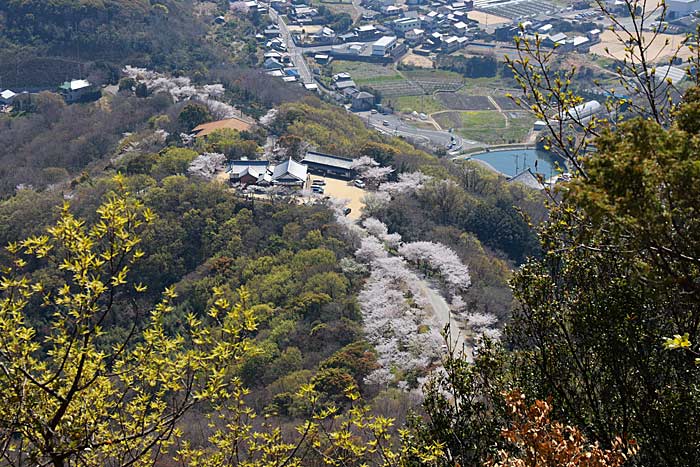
444,316
397,127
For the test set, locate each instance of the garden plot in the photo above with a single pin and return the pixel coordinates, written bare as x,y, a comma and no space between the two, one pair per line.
437,85
506,103
365,73
456,101
435,80
395,88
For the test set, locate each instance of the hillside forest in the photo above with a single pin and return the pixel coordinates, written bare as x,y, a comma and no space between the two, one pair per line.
153,314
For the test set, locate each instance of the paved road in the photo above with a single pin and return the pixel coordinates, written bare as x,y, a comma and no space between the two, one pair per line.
444,316
295,52
398,127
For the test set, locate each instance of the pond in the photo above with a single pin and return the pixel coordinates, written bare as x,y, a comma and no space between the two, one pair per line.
511,162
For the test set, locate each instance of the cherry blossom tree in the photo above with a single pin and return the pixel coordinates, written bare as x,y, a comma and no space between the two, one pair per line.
370,250
375,175
374,201
379,229
207,165
393,307
363,163
182,89
407,182
375,227
441,259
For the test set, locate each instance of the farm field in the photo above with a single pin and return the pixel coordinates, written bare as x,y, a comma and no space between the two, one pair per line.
378,77
658,51
393,84
456,101
420,104
487,126
486,87
420,61
486,19
506,103
364,72
435,80
393,88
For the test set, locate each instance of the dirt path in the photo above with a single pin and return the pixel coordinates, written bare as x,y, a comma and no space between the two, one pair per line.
500,110
444,316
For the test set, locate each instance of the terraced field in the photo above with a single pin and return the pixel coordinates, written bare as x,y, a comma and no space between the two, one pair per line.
395,87
506,103
363,73
421,104
456,101
487,126
435,80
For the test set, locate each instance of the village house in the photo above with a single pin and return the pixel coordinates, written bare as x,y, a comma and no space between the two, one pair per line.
327,164
384,45
78,90
362,101
403,25
415,36
7,96
366,32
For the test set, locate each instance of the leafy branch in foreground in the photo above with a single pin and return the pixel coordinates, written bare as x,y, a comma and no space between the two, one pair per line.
71,398
331,436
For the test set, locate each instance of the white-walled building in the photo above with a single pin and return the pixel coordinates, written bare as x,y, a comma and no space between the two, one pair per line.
384,45
679,8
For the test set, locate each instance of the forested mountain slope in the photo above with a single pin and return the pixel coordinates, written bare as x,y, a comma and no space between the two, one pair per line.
43,43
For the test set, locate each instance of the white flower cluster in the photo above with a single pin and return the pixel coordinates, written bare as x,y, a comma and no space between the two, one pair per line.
393,307
182,89
207,165
441,259
379,229
483,324
407,182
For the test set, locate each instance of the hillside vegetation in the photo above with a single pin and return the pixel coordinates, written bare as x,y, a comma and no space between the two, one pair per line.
45,42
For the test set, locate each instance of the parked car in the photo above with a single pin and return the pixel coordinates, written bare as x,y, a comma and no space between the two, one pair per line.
319,182
359,183
347,211
385,123
317,189
373,111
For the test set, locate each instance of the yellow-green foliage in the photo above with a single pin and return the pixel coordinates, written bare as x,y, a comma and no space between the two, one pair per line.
69,399
329,436
332,129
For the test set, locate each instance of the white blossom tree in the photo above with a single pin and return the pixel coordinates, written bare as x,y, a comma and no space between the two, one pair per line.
375,175
439,258
181,89
379,229
370,250
374,201
363,163
207,165
407,182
